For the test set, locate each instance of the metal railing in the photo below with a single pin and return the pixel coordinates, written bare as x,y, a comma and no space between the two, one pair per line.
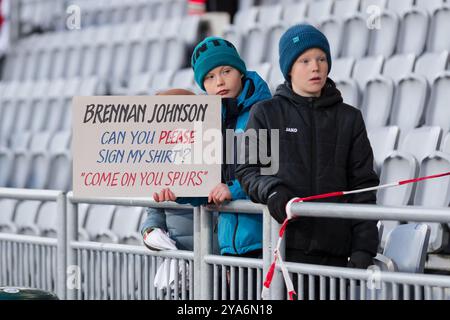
92,270
35,261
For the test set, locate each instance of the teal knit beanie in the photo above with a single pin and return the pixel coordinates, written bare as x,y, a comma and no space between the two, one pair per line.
296,40
213,52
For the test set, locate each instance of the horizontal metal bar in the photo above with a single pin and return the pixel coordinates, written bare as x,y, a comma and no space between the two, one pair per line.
126,248
360,274
234,261
246,206
135,202
21,238
29,194
371,212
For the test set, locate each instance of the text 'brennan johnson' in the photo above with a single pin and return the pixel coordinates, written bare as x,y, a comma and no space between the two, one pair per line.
112,113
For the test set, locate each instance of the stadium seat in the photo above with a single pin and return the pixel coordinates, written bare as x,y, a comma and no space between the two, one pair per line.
413,32
98,223
270,15
445,146
435,193
407,247
183,78
275,78
295,13
421,142
400,6
438,39
273,35
399,66
254,45
25,217
262,69
349,91
431,65
318,11
377,101
383,141
397,167
332,28
125,225
383,40
438,111
342,68
7,210
161,80
355,39
345,8
409,103
47,219
365,69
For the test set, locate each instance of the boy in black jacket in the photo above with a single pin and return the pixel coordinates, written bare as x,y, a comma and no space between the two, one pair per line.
323,147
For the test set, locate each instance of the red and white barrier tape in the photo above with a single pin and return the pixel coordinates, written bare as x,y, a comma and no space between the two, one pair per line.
277,256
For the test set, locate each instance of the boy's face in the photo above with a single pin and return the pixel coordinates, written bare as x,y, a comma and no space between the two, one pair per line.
224,81
309,73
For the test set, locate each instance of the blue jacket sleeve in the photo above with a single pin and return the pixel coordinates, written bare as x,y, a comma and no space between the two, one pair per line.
193,201
236,190
156,218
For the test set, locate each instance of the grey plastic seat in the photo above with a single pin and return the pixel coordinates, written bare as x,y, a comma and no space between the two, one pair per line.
333,29
161,80
126,224
262,69
98,222
349,91
399,66
397,167
345,8
175,56
430,5
383,40
435,193
377,101
445,146
400,6
7,210
139,84
183,78
273,35
295,13
275,78
254,45
319,10
421,142
25,217
438,111
431,65
270,15
413,32
409,103
367,68
342,68
438,39
407,247
383,141
47,219
355,39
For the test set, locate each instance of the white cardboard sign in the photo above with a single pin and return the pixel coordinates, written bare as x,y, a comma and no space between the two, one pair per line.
127,146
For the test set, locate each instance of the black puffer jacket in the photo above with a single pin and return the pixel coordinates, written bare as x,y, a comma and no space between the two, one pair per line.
323,148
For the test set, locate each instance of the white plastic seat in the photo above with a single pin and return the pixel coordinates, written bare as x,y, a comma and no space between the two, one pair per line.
399,66
377,101
413,32
438,111
126,223
47,219
7,210
383,141
25,217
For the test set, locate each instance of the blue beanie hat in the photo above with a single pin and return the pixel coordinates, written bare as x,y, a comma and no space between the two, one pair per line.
213,52
296,40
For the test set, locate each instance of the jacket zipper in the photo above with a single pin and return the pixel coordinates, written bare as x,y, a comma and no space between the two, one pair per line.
234,233
313,148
